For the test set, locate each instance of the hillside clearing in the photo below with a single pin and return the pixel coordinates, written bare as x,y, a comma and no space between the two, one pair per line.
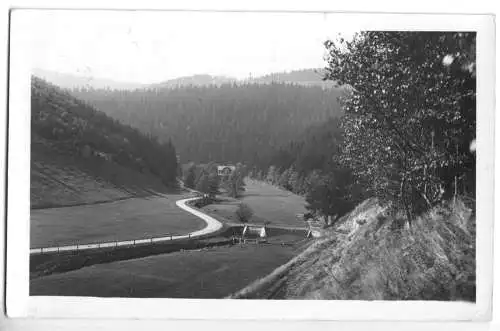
59,179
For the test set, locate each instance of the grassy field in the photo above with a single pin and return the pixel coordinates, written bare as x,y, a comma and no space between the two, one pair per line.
268,202
61,179
133,218
207,273
48,264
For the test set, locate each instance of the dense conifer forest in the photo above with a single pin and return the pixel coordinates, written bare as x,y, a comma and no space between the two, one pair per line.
229,123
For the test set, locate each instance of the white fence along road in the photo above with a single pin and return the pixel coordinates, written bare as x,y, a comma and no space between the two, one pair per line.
212,226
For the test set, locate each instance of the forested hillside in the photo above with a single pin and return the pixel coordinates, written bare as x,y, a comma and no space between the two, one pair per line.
230,123
78,151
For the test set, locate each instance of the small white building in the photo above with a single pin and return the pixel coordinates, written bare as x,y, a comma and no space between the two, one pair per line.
254,231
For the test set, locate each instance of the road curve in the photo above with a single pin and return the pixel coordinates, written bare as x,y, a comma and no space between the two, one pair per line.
212,226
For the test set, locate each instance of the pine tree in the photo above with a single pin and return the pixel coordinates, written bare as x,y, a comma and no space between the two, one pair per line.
190,176
202,184
271,174
213,185
235,184
293,178
283,179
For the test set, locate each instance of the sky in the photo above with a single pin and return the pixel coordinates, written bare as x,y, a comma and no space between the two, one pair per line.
151,46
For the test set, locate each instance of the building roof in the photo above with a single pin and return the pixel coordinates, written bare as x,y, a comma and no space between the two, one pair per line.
221,167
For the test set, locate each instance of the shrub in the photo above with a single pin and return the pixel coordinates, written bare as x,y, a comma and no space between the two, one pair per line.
244,213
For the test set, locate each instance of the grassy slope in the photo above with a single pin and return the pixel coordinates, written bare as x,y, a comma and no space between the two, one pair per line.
207,273
59,179
134,218
380,260
269,203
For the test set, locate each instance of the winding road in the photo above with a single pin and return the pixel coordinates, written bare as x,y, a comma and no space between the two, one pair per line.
212,226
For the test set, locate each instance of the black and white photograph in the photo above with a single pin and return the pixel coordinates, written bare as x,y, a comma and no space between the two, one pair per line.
249,157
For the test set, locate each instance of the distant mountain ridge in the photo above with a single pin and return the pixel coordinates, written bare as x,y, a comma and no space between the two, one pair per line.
195,80
70,81
305,77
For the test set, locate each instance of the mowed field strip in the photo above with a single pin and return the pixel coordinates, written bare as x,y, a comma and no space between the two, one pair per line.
269,203
138,219
208,273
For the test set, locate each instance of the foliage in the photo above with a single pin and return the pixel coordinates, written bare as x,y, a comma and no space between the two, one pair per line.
235,184
244,213
244,123
329,195
189,176
202,184
284,179
77,128
410,114
202,177
271,175
213,185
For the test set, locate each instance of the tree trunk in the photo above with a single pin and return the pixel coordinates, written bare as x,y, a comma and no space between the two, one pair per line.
402,193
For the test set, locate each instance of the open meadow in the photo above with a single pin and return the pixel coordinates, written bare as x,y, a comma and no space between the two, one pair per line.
207,273
134,218
269,204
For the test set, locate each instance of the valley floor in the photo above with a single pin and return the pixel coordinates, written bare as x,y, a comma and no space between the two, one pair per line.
208,273
134,218
203,273
269,204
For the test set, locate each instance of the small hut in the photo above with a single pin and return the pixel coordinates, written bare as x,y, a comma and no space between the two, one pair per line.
254,233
